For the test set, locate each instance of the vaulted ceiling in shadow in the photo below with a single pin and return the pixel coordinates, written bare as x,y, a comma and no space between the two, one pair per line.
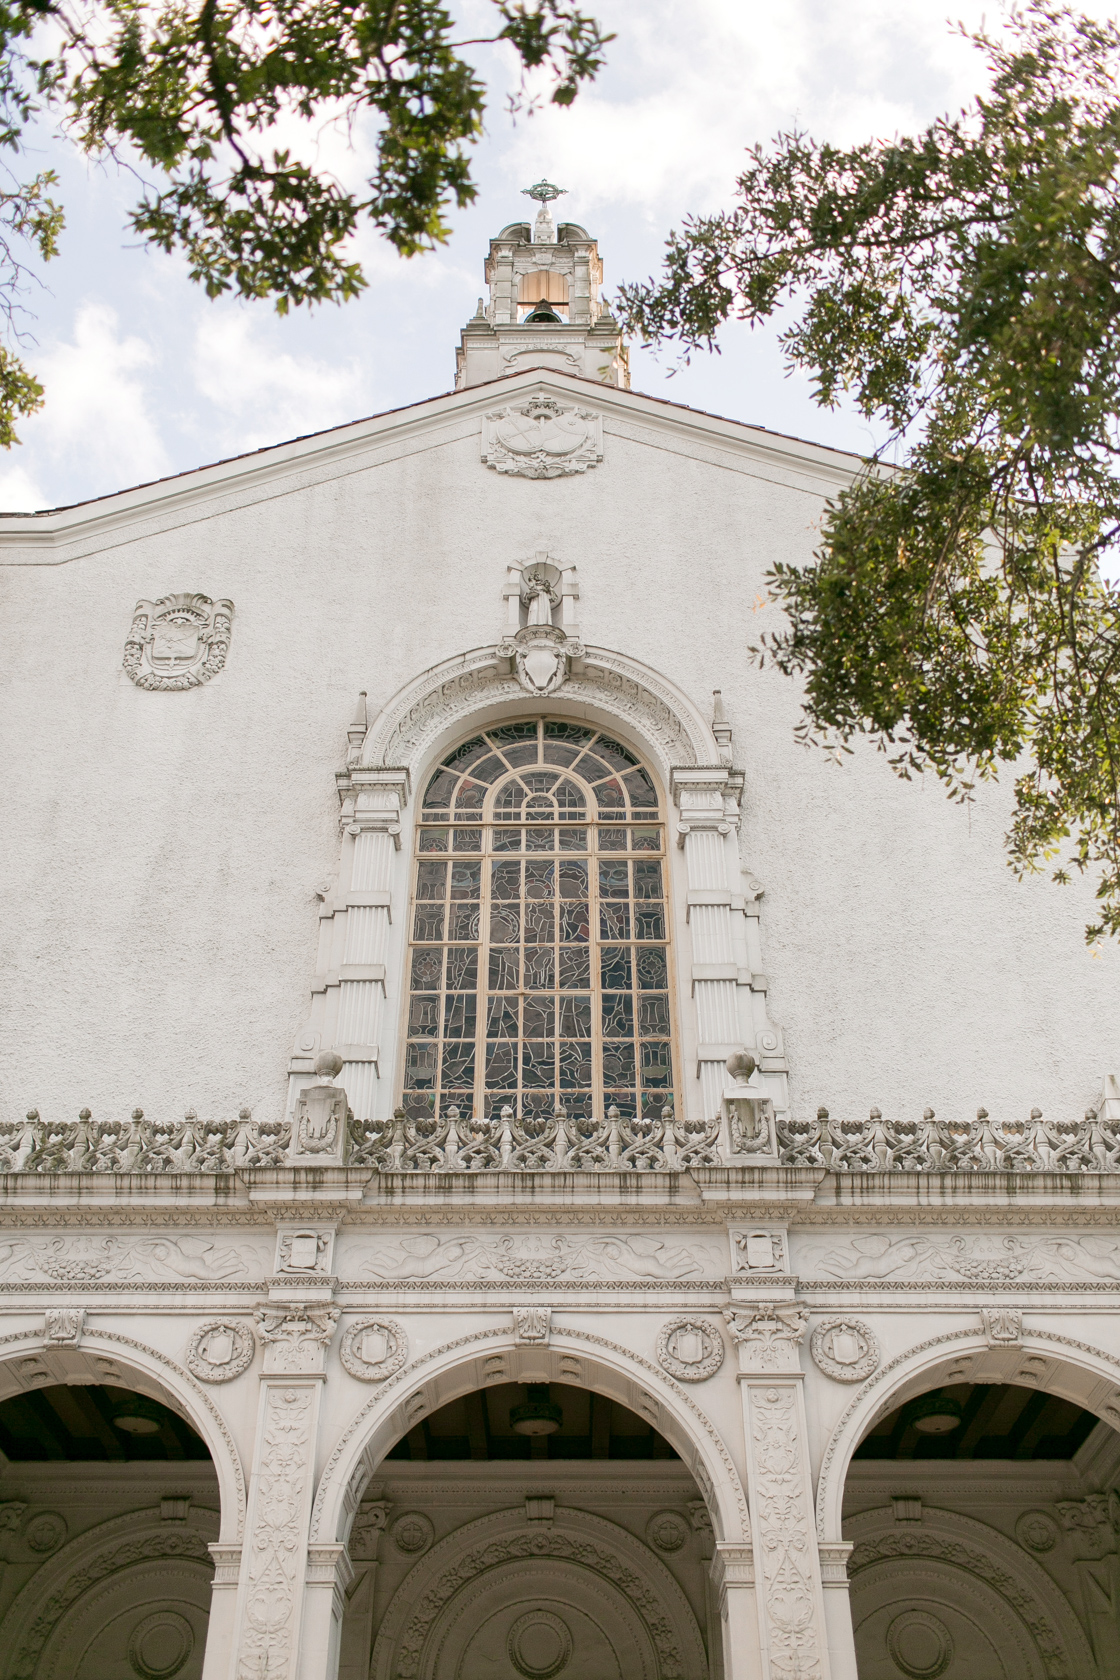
479,1426
89,1421
996,1421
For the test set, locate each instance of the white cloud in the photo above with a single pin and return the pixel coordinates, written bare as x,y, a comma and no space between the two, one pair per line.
20,492
262,394
96,409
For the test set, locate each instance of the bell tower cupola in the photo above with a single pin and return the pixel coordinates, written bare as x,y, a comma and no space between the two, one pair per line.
543,309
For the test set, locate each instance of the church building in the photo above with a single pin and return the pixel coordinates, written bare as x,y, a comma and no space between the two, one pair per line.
451,1020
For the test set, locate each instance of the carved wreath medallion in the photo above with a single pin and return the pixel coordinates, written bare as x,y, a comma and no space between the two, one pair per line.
542,439
177,642
845,1349
667,1530
221,1350
690,1349
374,1349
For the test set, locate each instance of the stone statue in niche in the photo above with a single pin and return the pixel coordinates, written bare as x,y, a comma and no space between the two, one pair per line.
541,653
178,642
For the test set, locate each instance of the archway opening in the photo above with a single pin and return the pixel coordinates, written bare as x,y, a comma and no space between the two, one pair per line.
494,1425
577,1531
985,1541
108,1502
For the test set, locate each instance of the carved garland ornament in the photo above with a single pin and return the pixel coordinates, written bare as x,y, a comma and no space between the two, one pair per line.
177,642
690,1349
373,1349
845,1349
221,1350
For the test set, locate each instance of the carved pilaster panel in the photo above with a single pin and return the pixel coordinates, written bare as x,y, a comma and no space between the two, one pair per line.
791,1607
275,1556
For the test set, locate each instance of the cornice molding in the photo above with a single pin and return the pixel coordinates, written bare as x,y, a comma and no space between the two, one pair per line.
63,534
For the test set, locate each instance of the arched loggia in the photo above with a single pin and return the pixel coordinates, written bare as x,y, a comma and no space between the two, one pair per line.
1046,1360
486,1358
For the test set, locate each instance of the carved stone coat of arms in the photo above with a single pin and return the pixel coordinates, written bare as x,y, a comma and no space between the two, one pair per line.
177,642
542,439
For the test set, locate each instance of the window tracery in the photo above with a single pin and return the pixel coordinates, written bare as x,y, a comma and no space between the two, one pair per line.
539,960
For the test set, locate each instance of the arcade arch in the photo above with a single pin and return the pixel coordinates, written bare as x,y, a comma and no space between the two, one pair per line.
118,1479
975,1482
600,1545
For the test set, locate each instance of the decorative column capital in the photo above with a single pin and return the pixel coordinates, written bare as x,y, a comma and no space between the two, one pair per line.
768,1335
296,1335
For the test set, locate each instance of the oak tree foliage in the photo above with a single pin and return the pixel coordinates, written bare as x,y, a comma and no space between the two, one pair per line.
211,103
962,288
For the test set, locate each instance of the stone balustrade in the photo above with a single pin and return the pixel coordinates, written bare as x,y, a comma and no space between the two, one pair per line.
559,1142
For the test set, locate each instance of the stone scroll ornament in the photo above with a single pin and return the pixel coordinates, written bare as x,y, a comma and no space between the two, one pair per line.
542,439
845,1349
690,1349
177,642
373,1349
221,1350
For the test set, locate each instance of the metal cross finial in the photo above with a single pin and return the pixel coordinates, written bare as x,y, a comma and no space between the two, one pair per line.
544,191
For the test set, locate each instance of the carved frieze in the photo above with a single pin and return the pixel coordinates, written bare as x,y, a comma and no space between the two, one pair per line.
221,1350
178,642
845,1349
542,439
85,1257
539,1257
985,1258
690,1349
374,1349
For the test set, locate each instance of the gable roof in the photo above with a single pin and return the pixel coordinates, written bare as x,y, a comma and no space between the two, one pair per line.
56,535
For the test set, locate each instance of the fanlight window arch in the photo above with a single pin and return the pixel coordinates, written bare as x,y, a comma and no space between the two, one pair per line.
540,963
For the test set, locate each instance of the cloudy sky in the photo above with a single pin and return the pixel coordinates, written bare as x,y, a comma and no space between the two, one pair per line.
145,377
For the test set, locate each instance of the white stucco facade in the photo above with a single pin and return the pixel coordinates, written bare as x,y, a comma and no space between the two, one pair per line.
208,879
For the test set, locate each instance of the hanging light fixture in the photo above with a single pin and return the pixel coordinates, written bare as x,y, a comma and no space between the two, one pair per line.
538,1415
138,1416
936,1414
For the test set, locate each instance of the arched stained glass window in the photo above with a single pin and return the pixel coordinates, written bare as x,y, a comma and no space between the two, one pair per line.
539,963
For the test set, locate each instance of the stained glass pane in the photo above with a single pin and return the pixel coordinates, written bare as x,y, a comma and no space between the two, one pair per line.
510,1005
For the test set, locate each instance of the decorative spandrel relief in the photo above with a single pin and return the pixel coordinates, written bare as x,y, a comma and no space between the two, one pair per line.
537,1258
983,1258
374,1349
845,1349
78,1257
277,1543
690,1349
221,1350
542,439
177,642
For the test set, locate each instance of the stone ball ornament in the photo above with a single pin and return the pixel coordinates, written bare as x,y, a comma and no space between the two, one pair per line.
221,1350
845,1349
690,1349
373,1349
